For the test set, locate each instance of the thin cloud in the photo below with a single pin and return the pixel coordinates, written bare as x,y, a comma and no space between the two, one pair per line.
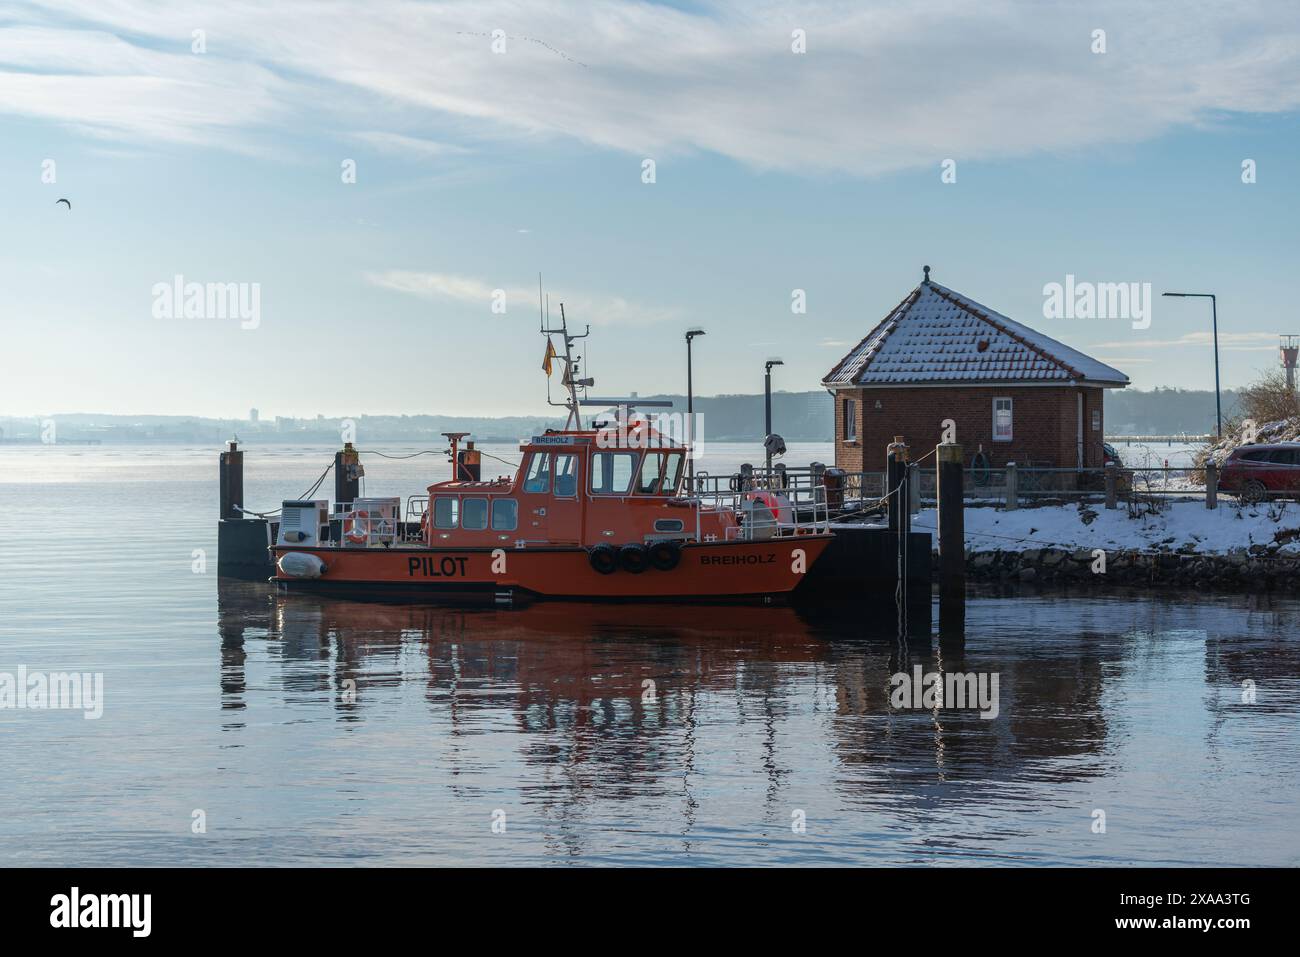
880,88
399,143
1228,342
582,308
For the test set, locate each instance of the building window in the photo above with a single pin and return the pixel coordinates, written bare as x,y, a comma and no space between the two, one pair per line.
474,514
444,511
1002,420
505,514
850,420
1096,420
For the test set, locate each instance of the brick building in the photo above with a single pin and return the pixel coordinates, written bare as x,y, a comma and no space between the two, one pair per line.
1013,392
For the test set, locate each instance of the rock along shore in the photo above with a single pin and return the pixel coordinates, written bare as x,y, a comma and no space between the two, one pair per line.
1257,568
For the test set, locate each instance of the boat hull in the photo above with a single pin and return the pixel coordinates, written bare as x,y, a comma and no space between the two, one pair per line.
707,571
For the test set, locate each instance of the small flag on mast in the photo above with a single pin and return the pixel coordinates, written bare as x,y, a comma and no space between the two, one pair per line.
550,354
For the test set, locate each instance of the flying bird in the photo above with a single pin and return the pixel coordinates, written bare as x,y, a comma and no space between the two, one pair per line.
57,201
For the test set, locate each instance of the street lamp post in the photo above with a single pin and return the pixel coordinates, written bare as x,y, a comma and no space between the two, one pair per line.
767,403
1214,313
690,409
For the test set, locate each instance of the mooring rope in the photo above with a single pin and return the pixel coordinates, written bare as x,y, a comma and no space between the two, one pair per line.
385,455
513,465
276,511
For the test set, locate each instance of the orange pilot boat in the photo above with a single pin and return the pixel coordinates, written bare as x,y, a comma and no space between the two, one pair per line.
602,512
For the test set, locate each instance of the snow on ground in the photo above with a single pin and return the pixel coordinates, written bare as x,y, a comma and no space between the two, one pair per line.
1181,524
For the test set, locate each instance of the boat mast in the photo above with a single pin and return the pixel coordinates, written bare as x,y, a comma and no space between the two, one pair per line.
570,378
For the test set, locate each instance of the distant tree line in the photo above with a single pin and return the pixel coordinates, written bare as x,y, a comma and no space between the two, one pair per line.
797,416
1162,411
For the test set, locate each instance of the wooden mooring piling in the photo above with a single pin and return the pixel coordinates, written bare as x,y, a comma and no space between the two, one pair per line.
951,526
242,541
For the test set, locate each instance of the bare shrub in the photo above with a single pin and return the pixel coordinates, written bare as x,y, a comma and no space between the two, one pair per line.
1273,408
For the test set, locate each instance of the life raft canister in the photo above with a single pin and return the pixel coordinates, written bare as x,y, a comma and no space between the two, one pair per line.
779,505
356,528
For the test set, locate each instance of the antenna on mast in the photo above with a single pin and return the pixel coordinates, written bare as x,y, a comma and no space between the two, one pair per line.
570,378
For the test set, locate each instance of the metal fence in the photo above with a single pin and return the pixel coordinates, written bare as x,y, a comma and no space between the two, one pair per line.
1010,486
1021,485
862,494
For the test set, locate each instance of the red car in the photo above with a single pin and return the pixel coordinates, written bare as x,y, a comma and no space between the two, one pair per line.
1257,472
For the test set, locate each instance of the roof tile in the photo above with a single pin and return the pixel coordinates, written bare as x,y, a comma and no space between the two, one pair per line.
934,336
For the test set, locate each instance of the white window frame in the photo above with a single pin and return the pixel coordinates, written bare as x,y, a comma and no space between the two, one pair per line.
1011,419
850,420
634,472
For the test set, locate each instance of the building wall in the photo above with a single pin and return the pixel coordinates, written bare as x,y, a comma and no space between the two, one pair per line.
1044,424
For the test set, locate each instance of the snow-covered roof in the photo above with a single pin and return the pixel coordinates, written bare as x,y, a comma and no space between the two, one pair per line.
936,336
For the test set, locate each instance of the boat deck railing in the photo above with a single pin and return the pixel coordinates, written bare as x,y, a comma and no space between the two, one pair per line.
778,504
367,527
416,507
771,504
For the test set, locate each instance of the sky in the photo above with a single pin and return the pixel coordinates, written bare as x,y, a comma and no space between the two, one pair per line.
996,142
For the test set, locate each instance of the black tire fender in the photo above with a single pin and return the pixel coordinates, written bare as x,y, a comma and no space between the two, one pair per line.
633,558
604,559
664,556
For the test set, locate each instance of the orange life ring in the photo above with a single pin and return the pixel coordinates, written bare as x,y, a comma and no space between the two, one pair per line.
356,528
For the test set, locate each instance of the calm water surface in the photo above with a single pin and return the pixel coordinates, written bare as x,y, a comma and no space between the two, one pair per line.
234,700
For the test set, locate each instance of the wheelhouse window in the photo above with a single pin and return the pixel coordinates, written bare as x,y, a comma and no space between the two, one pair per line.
1002,430
474,514
538,476
566,475
850,420
445,511
672,473
505,514
611,472
647,482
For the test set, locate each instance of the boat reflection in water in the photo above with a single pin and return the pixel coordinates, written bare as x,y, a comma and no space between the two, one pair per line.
701,730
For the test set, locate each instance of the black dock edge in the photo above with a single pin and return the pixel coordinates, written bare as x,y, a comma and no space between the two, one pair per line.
866,560
243,549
